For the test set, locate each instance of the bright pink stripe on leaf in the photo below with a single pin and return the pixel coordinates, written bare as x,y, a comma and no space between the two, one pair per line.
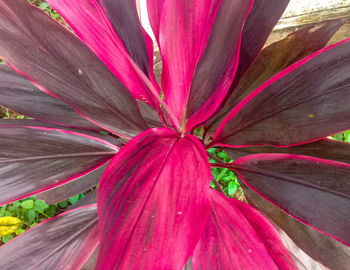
237,236
223,133
199,60
153,202
89,21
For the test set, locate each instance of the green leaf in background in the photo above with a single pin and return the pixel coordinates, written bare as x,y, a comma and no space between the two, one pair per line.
31,215
51,211
28,204
16,204
212,184
7,238
20,231
44,6
221,174
13,210
232,188
2,211
347,136
40,206
63,204
74,199
338,137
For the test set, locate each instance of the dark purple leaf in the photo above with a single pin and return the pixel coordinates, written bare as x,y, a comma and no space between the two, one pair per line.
119,142
237,236
301,259
61,65
91,262
275,58
314,191
73,188
20,95
34,159
326,149
150,115
153,202
62,242
257,28
124,18
320,247
305,102
261,20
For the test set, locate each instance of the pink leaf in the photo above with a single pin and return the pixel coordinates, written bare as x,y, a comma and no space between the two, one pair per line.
239,237
90,22
153,202
199,43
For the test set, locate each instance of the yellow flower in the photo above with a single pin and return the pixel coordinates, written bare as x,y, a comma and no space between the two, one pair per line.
9,225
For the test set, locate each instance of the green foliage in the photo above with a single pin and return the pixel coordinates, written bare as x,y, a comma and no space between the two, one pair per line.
228,180
49,10
343,137
30,210
74,199
225,177
8,114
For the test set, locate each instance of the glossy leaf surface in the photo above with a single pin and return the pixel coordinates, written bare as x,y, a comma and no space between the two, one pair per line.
277,57
153,202
36,46
261,20
62,242
34,159
90,22
301,259
314,191
124,18
20,95
199,45
239,237
292,107
72,188
325,149
320,247
118,142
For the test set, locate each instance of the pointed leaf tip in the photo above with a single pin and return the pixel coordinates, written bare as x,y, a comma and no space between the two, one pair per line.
237,236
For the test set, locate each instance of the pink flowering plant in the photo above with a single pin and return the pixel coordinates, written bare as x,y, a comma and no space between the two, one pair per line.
99,117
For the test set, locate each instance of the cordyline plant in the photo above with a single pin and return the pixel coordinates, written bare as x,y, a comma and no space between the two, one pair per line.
100,119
